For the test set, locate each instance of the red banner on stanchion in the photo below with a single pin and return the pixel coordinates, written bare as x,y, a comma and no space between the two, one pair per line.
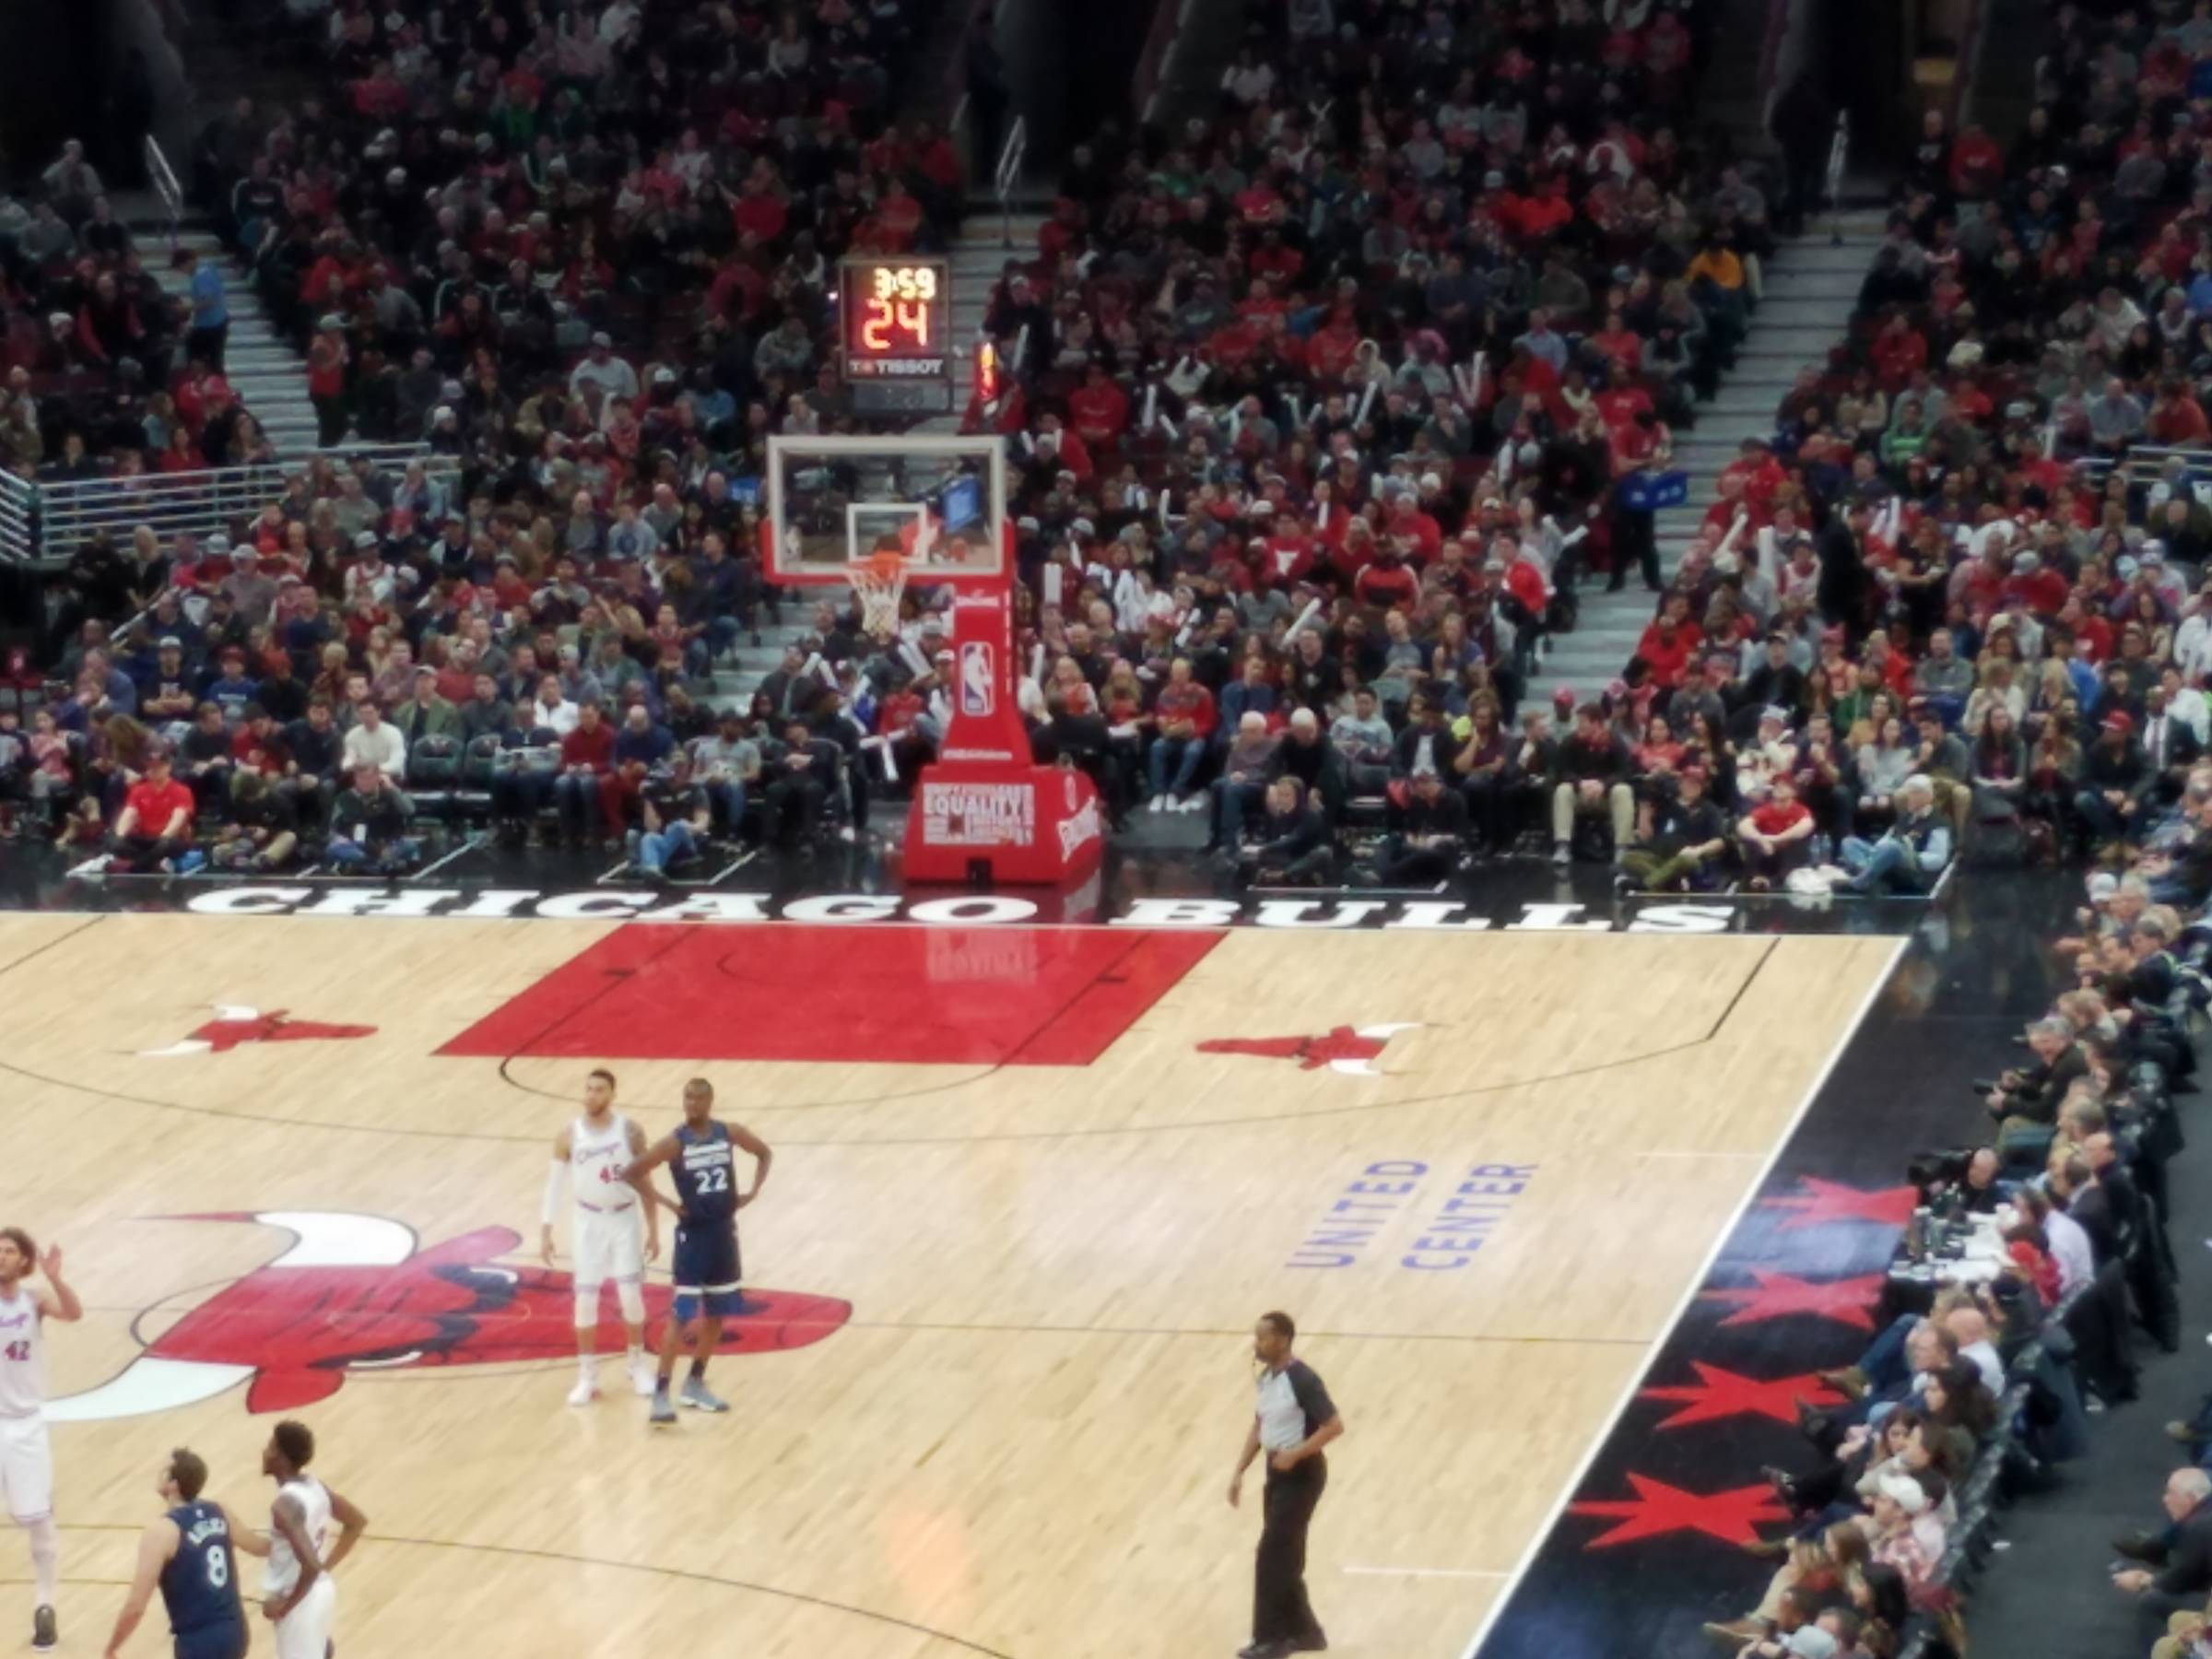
985,810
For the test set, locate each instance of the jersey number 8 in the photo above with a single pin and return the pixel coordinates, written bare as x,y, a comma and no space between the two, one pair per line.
219,1568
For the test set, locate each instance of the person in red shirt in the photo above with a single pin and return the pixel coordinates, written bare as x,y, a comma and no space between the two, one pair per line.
1288,552
759,212
1389,581
1273,259
154,830
1524,577
1977,164
1669,641
1414,525
1546,212
1257,203
1900,351
587,755
1056,443
2043,591
1621,345
1618,405
1185,712
326,357
1775,834
2176,417
1099,410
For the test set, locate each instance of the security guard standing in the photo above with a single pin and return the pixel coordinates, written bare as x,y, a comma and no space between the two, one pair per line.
1293,1418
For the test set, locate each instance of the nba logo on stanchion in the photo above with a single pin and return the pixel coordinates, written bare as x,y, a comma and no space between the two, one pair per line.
978,679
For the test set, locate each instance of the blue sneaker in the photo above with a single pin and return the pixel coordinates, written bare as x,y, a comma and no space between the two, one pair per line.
193,859
663,1412
697,1396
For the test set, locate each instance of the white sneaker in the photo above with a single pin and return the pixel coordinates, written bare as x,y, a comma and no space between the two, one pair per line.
585,1391
1159,803
640,1375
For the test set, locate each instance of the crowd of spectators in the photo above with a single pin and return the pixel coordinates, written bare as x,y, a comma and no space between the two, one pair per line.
102,372
1401,330
375,639
1971,553
581,246
2022,1291
1952,602
1324,407
1322,410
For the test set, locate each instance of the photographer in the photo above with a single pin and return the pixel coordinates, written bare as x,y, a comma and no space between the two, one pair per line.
2025,1100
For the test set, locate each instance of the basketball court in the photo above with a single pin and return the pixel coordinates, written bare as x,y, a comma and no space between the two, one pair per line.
1033,1186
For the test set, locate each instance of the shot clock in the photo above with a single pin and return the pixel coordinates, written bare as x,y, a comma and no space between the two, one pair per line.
895,322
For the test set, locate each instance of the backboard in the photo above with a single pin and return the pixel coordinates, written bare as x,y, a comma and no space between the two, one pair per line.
939,499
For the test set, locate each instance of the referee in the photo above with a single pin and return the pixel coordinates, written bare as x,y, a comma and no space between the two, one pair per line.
1292,1419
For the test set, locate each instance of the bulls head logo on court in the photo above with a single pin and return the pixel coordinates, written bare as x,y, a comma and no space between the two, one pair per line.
234,1027
1342,1049
354,1294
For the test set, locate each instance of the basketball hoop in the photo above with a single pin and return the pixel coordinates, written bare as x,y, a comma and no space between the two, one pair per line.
878,582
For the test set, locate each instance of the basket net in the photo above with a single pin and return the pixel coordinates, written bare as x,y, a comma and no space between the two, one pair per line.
878,582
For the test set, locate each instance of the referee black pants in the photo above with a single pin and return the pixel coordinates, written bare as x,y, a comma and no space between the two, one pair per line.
1280,1611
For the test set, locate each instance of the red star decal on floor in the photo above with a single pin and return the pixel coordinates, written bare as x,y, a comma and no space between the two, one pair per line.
1659,1509
1778,1295
1720,1394
1825,1201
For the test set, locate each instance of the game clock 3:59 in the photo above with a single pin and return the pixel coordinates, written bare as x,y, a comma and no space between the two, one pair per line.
895,307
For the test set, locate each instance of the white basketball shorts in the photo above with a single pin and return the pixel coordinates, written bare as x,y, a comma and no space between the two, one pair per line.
305,1631
609,1245
26,1469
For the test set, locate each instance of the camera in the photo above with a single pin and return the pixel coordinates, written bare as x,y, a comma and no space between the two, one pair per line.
1946,1166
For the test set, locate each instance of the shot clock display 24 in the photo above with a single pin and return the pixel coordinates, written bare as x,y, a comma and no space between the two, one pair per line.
896,323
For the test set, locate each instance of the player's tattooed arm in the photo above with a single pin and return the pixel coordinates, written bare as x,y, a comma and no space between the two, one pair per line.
284,1517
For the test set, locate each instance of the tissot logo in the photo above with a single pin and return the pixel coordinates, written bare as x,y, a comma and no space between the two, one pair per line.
612,904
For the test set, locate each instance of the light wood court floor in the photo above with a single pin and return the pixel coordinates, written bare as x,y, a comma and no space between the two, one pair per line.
1019,1442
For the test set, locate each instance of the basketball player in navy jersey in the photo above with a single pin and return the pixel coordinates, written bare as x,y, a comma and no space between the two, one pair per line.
700,1156
187,1555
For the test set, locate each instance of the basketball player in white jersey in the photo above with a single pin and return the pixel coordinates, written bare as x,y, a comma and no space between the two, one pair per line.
613,1234
298,1596
26,1457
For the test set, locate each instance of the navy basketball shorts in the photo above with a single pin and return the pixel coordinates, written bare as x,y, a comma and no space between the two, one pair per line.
704,1267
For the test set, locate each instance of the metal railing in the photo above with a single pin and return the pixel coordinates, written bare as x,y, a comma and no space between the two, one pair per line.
2146,464
165,184
1966,69
44,521
1839,161
1007,179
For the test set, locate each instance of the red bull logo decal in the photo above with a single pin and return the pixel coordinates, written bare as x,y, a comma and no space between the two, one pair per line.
1342,1049
353,1293
235,1026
